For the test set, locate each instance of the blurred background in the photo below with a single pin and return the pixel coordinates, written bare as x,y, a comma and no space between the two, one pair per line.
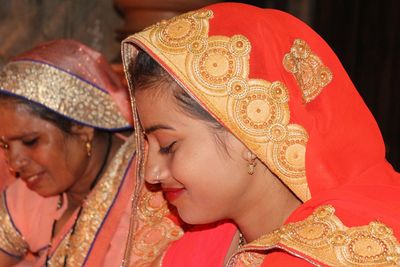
364,34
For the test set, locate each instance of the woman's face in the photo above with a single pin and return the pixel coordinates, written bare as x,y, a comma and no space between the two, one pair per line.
201,177
48,160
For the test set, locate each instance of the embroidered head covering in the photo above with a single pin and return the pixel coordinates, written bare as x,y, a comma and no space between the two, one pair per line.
271,81
70,79
279,88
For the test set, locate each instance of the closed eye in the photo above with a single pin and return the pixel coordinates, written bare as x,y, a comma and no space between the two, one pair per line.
167,149
30,142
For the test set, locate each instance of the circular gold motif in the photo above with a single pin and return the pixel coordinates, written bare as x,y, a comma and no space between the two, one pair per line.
323,75
152,207
279,92
237,88
197,46
300,49
339,238
287,158
323,212
178,32
380,230
239,45
277,132
203,14
254,113
365,247
290,63
312,234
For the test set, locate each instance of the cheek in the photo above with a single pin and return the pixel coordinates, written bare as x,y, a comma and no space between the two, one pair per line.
199,170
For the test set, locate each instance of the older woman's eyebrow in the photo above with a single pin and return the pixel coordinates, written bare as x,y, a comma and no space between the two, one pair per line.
157,127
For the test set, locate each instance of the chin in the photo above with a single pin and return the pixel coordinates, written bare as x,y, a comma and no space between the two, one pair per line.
195,218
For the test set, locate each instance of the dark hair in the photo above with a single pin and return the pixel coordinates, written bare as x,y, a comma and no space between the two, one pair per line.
147,73
61,122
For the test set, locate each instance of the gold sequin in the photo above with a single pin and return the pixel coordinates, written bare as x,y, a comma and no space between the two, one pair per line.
11,240
215,70
94,210
61,92
311,74
156,231
323,237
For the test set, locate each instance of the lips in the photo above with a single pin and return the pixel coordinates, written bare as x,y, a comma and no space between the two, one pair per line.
172,194
33,180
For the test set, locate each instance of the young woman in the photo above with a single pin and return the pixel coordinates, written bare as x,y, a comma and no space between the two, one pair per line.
248,115
70,148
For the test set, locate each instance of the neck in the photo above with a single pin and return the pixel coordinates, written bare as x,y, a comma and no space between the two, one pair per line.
269,205
103,150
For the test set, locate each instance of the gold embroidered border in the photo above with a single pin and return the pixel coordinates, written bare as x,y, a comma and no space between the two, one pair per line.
215,70
155,232
61,92
95,209
11,240
310,72
323,237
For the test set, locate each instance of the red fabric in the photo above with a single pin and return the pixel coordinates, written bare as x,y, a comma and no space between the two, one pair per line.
84,62
202,246
345,157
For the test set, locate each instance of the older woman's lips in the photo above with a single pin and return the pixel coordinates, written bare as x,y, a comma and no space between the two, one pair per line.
32,181
172,194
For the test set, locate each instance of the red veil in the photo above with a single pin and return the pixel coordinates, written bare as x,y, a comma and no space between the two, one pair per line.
318,137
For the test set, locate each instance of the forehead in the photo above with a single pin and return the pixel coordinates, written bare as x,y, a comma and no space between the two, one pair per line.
17,118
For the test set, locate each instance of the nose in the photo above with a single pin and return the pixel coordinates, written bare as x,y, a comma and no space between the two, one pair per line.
155,168
17,160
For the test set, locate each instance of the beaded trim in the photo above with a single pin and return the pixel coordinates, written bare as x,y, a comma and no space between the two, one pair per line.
155,232
323,237
311,74
63,93
11,241
95,210
215,70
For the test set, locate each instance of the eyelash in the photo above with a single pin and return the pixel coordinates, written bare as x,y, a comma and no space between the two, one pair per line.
167,149
30,142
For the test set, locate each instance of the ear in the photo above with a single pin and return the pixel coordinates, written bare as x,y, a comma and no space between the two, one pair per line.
248,155
84,133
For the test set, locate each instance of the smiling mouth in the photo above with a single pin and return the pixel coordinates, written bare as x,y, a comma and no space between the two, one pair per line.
33,180
172,194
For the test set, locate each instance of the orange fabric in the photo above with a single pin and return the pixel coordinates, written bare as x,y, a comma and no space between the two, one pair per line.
5,176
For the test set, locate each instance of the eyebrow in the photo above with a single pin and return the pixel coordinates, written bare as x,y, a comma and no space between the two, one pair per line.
158,127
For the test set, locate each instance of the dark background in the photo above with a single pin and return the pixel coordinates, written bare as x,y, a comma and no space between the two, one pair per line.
364,34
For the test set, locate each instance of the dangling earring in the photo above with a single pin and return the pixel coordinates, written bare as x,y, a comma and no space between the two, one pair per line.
251,167
88,146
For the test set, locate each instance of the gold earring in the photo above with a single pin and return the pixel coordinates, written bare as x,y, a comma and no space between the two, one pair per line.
88,146
251,167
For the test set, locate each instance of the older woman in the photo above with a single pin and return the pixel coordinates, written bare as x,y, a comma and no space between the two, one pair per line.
249,116
70,148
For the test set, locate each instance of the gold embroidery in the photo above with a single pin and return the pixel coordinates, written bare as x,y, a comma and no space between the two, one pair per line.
11,240
156,231
323,237
61,92
215,70
94,210
311,74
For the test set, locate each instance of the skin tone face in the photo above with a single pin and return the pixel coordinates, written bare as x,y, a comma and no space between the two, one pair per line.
205,180
48,160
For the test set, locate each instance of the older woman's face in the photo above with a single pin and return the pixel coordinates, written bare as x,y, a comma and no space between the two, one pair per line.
48,160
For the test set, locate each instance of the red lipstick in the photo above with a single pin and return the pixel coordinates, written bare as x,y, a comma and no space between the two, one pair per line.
172,194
